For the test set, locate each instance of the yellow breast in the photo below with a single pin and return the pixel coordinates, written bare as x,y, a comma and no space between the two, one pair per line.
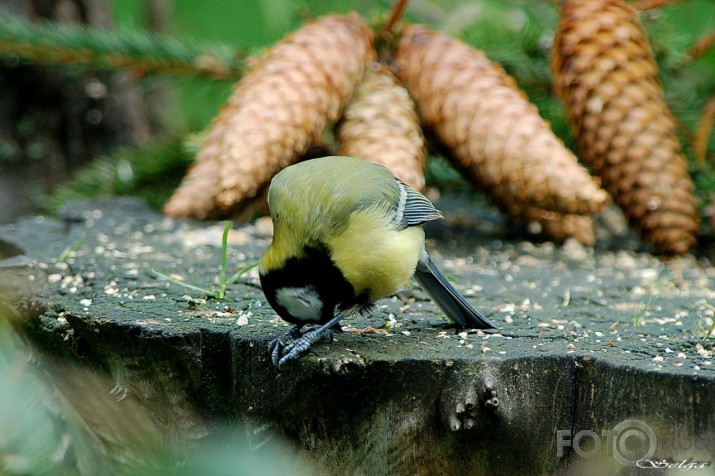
373,256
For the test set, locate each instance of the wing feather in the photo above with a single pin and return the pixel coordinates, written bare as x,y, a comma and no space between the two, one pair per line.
413,208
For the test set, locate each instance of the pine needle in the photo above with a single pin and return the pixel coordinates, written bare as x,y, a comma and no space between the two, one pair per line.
52,43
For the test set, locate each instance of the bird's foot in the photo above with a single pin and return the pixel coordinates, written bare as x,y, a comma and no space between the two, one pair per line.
290,349
276,346
292,344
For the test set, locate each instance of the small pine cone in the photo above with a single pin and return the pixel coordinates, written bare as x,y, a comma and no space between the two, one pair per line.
552,225
277,110
381,125
605,73
559,227
497,136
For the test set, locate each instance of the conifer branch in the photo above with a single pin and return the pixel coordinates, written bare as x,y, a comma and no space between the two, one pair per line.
397,11
643,5
701,46
52,43
704,131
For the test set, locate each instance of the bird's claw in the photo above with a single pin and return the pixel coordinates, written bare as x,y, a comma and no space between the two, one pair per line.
284,350
292,351
276,346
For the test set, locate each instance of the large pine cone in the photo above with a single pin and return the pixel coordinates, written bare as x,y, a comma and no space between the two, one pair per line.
279,108
381,125
605,72
478,112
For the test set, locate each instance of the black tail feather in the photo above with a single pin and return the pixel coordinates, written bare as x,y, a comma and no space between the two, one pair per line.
447,297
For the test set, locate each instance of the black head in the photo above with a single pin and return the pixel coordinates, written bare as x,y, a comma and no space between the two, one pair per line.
309,288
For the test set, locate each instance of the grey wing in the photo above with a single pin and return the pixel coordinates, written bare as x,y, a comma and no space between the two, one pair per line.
413,208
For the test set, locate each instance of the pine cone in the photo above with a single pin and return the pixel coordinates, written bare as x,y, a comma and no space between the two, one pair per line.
275,113
606,75
196,196
495,133
381,125
559,227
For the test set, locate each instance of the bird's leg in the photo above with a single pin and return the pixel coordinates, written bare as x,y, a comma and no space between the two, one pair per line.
275,347
299,346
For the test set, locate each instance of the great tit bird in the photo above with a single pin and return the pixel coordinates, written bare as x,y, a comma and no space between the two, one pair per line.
347,233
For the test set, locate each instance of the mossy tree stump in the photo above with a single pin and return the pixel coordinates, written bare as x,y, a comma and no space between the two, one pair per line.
600,360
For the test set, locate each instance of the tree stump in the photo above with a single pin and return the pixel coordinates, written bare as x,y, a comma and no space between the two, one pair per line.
600,362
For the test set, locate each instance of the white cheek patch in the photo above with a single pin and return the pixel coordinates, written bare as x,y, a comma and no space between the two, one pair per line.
302,303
